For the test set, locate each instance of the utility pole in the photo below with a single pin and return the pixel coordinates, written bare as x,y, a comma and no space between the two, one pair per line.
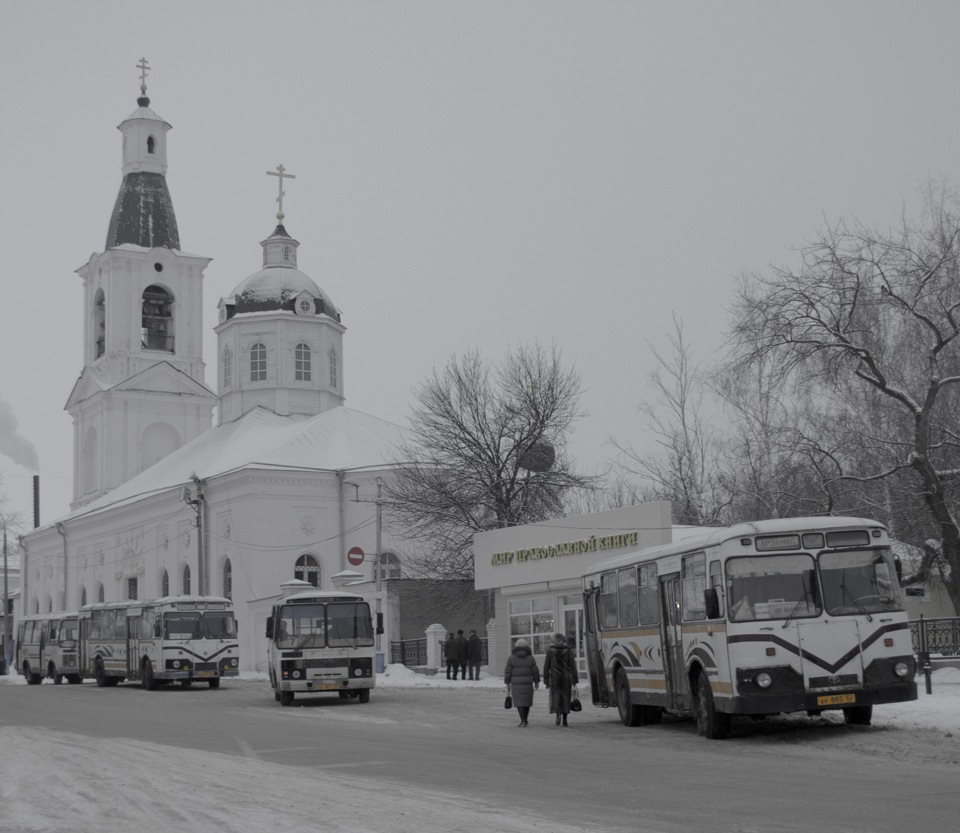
6,605
376,563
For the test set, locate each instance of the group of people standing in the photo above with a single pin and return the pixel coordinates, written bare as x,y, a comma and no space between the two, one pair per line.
522,676
463,653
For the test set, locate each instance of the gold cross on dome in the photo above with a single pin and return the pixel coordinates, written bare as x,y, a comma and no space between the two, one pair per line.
144,69
281,174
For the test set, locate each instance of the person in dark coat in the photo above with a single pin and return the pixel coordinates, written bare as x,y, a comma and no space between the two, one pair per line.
474,655
462,654
560,675
522,676
451,651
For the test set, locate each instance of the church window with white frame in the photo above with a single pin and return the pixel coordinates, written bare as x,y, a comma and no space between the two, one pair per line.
307,569
227,578
185,580
164,584
227,367
302,361
333,367
258,363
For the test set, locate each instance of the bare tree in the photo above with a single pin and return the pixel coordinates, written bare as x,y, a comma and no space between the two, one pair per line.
871,319
686,470
489,452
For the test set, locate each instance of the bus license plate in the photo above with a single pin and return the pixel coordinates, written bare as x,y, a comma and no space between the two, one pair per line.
326,687
204,674
836,699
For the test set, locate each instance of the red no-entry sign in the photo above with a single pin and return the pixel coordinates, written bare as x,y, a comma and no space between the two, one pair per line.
355,556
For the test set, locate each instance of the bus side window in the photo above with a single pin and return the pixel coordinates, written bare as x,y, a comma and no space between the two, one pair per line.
609,615
694,583
716,586
649,603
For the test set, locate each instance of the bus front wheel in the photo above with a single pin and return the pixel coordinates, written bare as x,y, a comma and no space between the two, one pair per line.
630,714
858,715
52,673
286,698
364,695
30,676
711,723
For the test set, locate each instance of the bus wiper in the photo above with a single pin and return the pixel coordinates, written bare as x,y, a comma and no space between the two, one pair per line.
796,607
855,600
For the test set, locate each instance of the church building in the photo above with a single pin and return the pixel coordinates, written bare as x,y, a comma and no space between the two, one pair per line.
286,483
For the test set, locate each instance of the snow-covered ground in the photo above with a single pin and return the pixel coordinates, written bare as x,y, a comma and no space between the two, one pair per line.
46,782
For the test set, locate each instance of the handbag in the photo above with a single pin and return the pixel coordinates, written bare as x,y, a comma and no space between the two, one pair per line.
508,700
575,704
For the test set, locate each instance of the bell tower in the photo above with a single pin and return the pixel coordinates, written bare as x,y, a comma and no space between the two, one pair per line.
141,394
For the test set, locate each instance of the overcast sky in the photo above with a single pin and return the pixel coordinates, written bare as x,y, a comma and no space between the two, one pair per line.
467,174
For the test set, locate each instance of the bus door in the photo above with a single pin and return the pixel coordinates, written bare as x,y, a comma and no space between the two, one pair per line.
133,644
599,693
678,693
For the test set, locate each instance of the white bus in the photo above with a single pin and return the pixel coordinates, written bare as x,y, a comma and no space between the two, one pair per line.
790,615
183,639
47,647
320,642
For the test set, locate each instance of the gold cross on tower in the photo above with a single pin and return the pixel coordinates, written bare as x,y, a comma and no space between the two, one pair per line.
281,174
144,69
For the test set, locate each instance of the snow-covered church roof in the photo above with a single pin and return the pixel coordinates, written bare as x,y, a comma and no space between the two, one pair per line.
336,440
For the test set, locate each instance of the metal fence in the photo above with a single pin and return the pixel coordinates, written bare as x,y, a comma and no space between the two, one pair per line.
413,652
936,636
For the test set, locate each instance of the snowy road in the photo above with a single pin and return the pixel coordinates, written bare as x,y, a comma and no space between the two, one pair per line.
447,757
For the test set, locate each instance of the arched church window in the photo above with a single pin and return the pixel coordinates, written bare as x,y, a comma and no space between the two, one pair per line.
164,583
99,324
286,253
100,594
258,363
333,368
156,322
301,363
185,580
35,605
227,367
307,568
227,578
49,605
151,144
83,595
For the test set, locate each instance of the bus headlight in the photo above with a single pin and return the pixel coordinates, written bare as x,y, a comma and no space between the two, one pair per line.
296,675
901,669
358,671
234,663
763,680
176,663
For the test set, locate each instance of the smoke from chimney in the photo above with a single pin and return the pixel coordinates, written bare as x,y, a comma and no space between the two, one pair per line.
13,444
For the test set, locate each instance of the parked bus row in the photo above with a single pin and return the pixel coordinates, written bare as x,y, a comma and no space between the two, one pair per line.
780,616
318,643
184,639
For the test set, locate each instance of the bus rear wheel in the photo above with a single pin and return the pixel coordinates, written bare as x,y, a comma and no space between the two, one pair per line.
99,674
630,714
286,698
149,681
711,723
30,676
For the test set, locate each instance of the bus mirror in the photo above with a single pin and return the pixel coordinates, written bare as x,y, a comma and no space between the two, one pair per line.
269,627
712,602
379,623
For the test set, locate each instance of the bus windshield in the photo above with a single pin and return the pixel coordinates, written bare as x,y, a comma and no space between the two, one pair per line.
772,587
67,638
859,581
334,625
219,624
179,624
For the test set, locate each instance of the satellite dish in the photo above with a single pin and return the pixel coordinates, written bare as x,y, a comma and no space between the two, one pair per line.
539,457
